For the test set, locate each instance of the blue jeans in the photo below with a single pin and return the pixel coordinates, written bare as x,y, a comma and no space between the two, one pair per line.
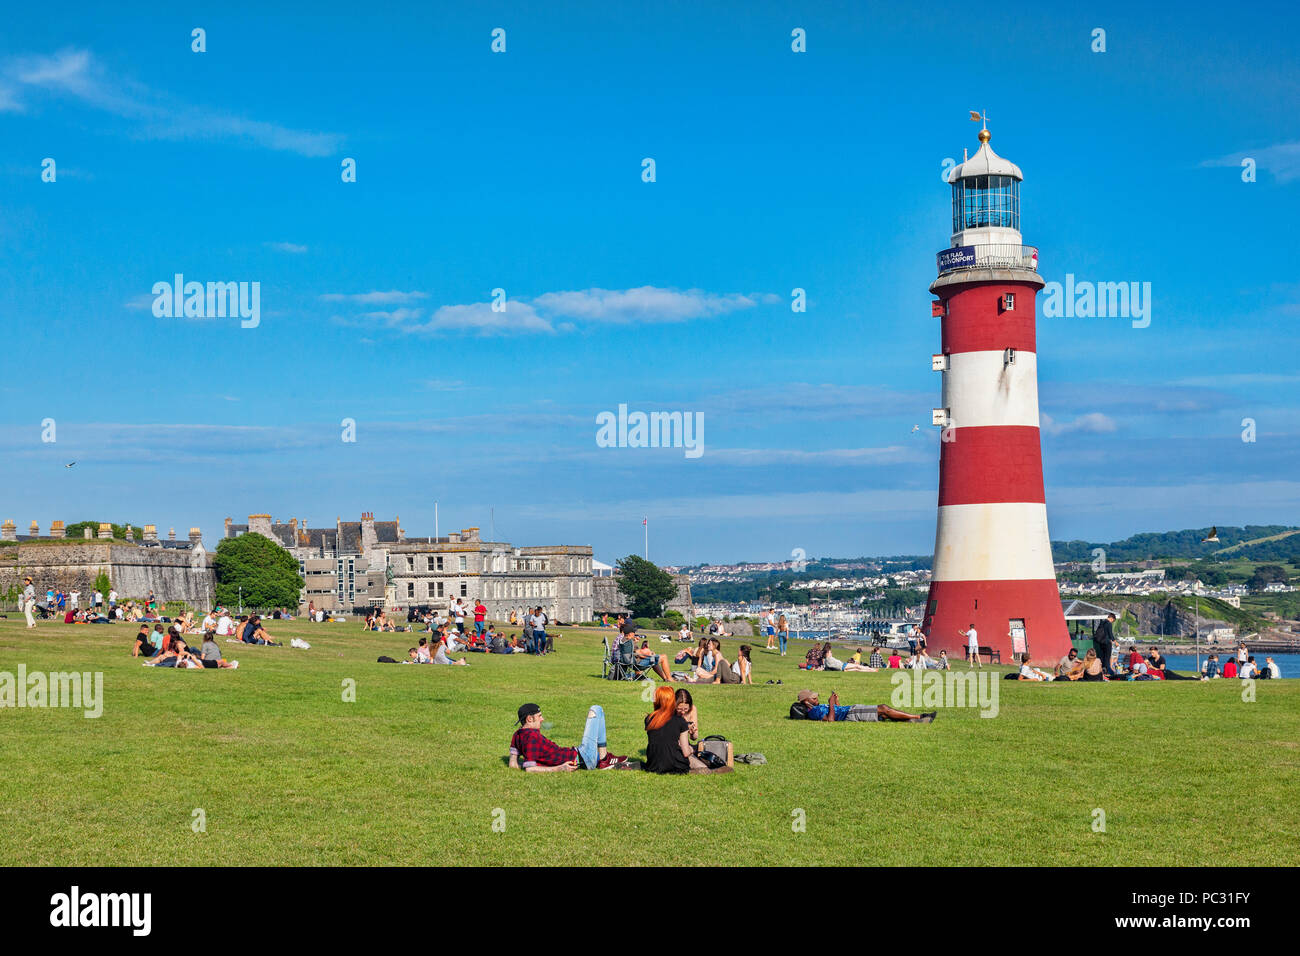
593,737
781,638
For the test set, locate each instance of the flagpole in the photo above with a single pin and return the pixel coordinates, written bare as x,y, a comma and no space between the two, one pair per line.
645,523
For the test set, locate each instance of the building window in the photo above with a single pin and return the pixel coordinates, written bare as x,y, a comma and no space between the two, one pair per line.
464,563
428,589
430,567
439,562
440,589
410,589
464,589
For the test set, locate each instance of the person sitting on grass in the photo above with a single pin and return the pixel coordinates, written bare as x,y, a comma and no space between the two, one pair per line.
1067,664
686,707
742,667
536,754
1210,669
692,654
1248,671
143,646
895,661
440,656
940,663
255,633
668,749
1230,668
829,661
210,654
1027,672
876,661
815,659
177,655
706,671
1156,661
807,707
727,673
422,653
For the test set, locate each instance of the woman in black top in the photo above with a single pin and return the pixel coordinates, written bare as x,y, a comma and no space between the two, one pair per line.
667,749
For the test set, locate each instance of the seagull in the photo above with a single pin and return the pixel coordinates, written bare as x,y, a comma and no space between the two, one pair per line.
69,464
916,428
1212,536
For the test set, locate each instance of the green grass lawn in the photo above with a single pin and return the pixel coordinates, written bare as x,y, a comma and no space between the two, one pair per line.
286,772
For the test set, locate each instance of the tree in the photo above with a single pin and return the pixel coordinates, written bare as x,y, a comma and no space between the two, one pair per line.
77,530
646,586
1266,574
102,584
266,572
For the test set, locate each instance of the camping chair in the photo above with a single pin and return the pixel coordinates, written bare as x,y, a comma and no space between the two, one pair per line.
619,661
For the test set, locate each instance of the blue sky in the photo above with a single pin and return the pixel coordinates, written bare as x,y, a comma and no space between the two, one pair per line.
522,171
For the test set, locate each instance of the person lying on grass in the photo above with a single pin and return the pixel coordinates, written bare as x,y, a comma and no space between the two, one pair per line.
807,707
815,659
1030,673
536,754
668,749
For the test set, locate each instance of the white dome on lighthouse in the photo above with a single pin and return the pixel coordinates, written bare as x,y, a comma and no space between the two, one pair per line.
985,162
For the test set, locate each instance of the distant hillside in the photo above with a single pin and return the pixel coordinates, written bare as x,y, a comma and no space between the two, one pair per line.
1273,542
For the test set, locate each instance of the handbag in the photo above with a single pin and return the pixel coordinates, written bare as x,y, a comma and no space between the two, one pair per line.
713,751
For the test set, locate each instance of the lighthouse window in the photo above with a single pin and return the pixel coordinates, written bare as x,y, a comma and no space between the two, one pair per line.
982,201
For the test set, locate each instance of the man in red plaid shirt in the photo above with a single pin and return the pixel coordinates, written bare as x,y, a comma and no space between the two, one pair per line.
536,754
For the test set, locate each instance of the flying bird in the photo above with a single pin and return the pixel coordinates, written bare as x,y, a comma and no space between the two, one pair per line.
916,427
1212,536
69,464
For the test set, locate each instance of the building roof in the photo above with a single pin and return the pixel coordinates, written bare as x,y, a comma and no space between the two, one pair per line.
1077,610
985,162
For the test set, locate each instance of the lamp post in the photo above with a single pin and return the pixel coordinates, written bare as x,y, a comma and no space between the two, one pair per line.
241,599
1196,588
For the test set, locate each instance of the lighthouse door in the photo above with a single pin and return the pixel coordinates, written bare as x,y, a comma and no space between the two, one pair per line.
1019,643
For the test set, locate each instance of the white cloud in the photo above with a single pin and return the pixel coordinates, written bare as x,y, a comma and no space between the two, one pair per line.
291,247
554,312
644,304
393,297
1092,423
1282,160
77,74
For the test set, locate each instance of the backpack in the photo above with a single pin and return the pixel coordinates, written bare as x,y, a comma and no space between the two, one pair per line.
385,659
798,710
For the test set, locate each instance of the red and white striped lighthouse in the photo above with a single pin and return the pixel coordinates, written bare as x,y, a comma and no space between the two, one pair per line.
992,555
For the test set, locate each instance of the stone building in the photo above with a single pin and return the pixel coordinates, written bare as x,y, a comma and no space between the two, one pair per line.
608,599
349,566
432,571
173,570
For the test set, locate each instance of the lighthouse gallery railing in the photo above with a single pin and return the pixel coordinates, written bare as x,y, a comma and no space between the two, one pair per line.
987,256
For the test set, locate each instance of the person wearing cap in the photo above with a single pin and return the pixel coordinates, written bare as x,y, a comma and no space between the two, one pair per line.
533,752
29,601
807,707
643,658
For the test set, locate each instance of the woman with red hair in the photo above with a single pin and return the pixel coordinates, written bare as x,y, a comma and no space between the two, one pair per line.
667,748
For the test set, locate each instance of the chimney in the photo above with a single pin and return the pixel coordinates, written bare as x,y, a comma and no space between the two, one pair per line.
56,530
261,524
228,523
35,530
9,531
171,534
85,532
369,539
130,533
196,537
105,531
151,532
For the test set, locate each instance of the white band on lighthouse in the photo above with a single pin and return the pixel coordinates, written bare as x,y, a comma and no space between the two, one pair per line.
993,542
982,389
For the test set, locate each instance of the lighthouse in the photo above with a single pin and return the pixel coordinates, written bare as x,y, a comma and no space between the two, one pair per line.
992,555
